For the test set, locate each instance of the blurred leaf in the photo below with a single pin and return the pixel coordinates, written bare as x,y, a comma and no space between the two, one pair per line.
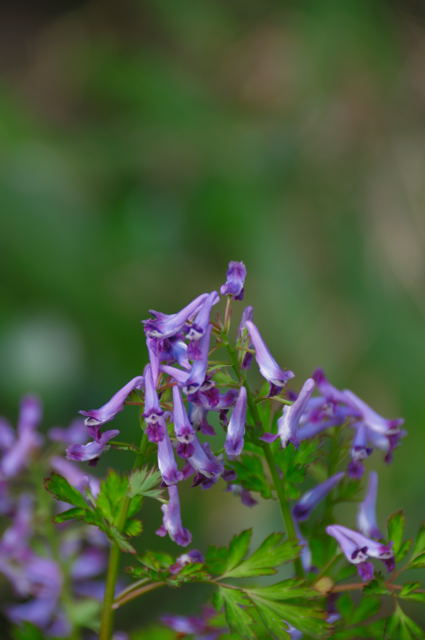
62,490
395,527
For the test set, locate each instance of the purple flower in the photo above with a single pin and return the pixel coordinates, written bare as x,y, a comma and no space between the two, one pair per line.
166,461
331,393
293,632
357,548
359,451
204,462
247,314
186,558
289,421
27,441
182,426
171,520
7,435
246,497
311,499
235,281
76,433
197,328
236,427
198,371
93,449
108,411
197,626
164,325
74,475
366,515
305,554
269,368
153,414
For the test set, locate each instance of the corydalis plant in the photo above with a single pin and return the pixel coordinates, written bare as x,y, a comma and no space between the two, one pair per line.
305,448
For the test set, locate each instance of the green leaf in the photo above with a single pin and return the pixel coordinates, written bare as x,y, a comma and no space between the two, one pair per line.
250,474
305,618
71,514
28,631
404,550
62,490
270,554
237,617
395,528
418,562
284,590
238,549
133,528
146,482
419,547
376,587
113,490
367,607
408,592
401,627
119,539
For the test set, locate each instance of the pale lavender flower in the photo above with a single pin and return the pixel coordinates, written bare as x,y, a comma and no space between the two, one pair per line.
199,419
27,441
76,433
247,314
7,435
182,426
166,461
93,449
366,515
235,281
359,451
246,497
199,368
289,421
74,475
197,626
164,325
190,557
109,410
171,521
153,414
204,462
268,366
177,374
311,499
294,633
305,553
197,328
236,427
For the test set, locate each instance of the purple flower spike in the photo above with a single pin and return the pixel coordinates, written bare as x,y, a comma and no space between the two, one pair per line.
366,515
196,330
311,499
182,426
93,449
204,462
153,414
108,411
199,368
235,281
27,441
166,461
269,368
164,325
331,393
171,521
289,421
236,428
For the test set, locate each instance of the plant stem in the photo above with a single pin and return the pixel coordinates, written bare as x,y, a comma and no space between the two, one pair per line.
107,615
277,480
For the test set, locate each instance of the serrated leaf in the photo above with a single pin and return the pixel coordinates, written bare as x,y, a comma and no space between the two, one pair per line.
145,482
119,539
133,528
269,555
237,617
76,513
62,490
284,590
418,562
395,526
305,618
113,490
404,550
419,546
238,548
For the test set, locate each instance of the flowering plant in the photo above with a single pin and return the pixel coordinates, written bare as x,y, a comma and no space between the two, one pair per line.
305,449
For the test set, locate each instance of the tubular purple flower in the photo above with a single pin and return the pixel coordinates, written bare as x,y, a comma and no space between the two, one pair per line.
93,449
171,521
204,462
268,366
190,557
196,626
305,555
182,426
7,435
331,393
199,368
76,433
235,281
164,325
27,441
293,632
109,410
366,515
359,451
153,414
246,497
236,427
177,374
371,418
197,328
166,461
311,499
289,421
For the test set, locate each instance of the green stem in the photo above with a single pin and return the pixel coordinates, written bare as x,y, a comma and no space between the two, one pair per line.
107,615
277,480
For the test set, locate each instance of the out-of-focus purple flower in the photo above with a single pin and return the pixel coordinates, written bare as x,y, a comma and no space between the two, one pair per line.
7,435
76,433
204,462
236,427
153,414
93,449
27,441
357,548
294,633
289,421
171,520
305,555
268,366
197,626
182,426
166,461
164,325
74,475
366,515
246,497
235,281
89,562
15,537
311,499
186,558
199,368
331,393
109,410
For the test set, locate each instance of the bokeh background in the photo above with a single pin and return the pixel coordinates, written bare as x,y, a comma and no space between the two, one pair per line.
145,144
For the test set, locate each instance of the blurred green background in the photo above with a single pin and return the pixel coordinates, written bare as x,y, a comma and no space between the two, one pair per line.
145,144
